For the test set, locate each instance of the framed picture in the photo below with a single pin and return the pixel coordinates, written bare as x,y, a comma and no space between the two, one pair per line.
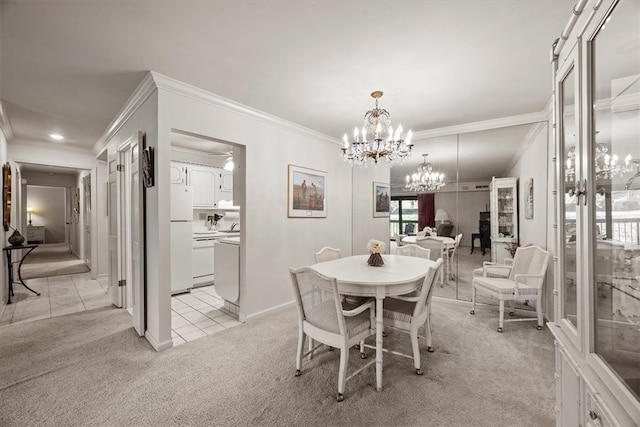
381,199
147,167
528,199
307,193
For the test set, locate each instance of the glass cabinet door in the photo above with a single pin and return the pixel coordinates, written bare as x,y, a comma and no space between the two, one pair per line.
615,173
506,212
569,205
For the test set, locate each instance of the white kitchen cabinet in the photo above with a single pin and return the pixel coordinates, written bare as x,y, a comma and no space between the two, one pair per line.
224,189
178,173
203,181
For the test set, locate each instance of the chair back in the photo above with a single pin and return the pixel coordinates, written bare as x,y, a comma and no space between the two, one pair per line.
408,229
426,292
327,254
434,245
398,238
414,251
318,300
445,230
530,260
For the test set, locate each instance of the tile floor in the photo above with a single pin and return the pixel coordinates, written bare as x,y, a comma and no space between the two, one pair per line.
197,314
193,315
59,295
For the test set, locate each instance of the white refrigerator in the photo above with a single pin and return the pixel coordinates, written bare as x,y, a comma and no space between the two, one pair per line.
181,238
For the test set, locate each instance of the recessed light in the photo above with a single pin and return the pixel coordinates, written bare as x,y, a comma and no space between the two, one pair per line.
56,136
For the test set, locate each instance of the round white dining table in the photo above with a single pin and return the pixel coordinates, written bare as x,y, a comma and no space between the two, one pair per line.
399,275
448,241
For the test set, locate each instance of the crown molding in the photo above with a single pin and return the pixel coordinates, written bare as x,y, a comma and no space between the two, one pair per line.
172,85
541,116
5,124
146,87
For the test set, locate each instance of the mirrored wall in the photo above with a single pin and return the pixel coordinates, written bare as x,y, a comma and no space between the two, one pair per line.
469,161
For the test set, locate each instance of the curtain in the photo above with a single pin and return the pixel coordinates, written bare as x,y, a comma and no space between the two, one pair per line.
426,211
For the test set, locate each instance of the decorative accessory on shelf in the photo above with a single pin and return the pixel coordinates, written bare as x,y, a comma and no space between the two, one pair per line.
376,247
16,239
425,179
376,123
512,247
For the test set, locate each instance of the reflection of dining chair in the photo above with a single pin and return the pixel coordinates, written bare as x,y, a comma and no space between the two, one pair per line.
398,238
322,318
451,254
409,228
410,313
414,250
525,280
437,251
327,254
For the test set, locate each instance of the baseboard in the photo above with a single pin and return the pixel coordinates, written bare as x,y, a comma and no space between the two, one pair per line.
243,317
156,345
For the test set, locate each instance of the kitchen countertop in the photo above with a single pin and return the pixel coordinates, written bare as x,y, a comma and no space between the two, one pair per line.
231,240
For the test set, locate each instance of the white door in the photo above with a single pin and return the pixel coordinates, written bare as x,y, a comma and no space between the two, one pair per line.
136,249
116,291
86,185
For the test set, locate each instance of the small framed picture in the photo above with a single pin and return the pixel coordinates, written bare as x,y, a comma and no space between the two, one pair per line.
528,199
147,167
381,199
307,193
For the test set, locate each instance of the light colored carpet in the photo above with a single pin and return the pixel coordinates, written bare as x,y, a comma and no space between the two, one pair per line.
90,369
52,259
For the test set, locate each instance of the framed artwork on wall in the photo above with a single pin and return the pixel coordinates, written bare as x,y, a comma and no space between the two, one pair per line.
381,199
528,199
306,193
6,195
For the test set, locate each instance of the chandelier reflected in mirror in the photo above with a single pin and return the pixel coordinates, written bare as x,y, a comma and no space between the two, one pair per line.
369,144
425,179
606,166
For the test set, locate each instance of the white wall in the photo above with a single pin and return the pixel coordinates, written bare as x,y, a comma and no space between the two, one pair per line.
532,163
365,227
158,295
49,204
464,210
272,242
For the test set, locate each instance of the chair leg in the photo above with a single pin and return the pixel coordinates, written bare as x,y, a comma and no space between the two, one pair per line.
362,355
311,344
512,305
416,348
539,313
501,320
344,361
427,333
473,299
301,336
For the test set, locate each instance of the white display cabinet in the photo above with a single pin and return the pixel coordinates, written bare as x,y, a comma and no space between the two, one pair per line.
504,217
596,191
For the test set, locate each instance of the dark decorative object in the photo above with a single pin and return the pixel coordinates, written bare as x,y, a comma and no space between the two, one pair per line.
375,260
147,167
6,195
16,239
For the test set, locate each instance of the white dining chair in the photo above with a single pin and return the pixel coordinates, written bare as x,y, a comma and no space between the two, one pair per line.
322,318
414,250
524,282
437,248
410,313
327,254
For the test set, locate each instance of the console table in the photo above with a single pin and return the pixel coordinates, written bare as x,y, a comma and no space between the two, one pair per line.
8,250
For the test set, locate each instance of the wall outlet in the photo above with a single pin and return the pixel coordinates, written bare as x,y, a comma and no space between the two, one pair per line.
202,216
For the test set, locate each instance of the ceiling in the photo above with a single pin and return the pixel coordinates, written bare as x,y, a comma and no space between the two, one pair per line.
70,68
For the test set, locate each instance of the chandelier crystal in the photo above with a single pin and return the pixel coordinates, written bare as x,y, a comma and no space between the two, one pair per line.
376,123
606,166
425,179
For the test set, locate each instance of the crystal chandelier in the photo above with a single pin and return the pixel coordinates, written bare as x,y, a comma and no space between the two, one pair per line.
425,179
606,166
376,123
